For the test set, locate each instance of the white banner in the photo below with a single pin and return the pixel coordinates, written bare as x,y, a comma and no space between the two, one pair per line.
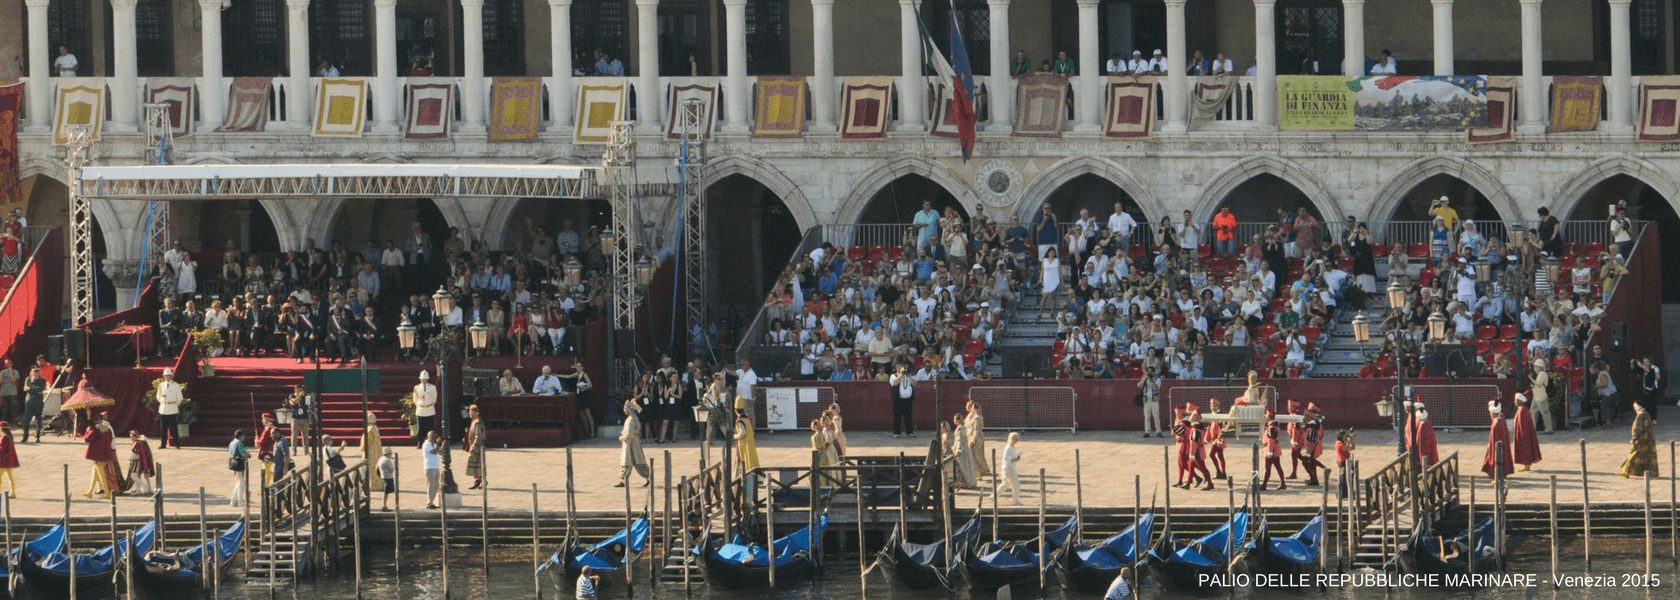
781,409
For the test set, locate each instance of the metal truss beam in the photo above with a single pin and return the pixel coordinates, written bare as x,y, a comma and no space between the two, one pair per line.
692,158
348,186
78,155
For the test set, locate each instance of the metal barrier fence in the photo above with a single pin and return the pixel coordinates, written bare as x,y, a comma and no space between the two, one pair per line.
1027,407
1457,406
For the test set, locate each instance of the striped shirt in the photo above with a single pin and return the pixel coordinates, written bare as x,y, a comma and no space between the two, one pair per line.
585,588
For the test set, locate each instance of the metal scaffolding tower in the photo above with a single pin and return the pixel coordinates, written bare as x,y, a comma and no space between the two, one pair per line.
79,154
691,164
160,149
619,164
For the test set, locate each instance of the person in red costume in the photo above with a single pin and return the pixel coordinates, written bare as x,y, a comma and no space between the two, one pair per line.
1525,441
1499,444
1269,445
107,478
1183,436
1344,453
1297,439
141,469
1312,438
1198,442
1216,441
8,459
1427,451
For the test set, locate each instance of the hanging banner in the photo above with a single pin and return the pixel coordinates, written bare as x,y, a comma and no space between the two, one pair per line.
1407,103
1314,102
11,105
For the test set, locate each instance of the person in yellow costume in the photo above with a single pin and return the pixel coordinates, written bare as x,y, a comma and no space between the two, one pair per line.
746,446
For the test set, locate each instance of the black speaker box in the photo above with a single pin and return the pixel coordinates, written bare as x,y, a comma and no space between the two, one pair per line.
76,346
1025,362
1227,362
775,360
1451,360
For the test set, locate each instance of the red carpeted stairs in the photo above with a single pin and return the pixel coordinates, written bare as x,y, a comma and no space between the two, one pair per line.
225,402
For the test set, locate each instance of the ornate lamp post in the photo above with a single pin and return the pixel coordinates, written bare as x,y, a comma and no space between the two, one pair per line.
445,345
407,336
478,335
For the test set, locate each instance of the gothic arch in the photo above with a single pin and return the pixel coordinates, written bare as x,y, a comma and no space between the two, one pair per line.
770,177
1227,180
1390,194
1576,187
1071,168
878,176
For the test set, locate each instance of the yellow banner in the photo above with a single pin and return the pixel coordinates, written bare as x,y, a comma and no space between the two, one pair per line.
1314,102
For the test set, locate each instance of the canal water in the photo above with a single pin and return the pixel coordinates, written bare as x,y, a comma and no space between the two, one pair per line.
510,577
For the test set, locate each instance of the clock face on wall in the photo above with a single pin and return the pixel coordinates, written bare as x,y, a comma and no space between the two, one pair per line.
998,181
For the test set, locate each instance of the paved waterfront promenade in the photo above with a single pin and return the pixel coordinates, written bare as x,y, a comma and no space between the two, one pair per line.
1110,460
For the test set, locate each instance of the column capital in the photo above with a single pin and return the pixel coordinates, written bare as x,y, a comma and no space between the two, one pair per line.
1002,3
37,3
1353,2
735,3
1178,3
479,4
1265,2
1449,2
386,3
822,2
121,271
1621,2
1090,3
124,3
552,3
638,2
1529,2
289,3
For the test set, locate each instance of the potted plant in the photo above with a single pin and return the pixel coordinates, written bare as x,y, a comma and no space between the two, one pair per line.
408,414
209,344
189,409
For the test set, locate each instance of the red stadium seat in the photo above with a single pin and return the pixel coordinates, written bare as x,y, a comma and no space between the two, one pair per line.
877,253
896,253
1137,251
1573,249
966,319
974,346
856,253
1204,250
1267,330
1483,345
1487,332
1345,263
1418,250
1058,347
1426,276
1294,372
1594,249
1567,262
1508,331
1311,332
1379,250
1592,260
916,362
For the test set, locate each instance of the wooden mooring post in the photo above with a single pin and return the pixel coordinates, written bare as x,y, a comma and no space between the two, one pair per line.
536,547
1552,519
1586,513
396,513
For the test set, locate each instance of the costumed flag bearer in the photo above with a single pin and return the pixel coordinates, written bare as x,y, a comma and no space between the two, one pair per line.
1525,441
1499,443
141,468
8,459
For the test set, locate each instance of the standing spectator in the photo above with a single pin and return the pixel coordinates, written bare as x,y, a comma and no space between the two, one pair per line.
904,395
1621,231
425,404
745,382
1122,224
34,388
418,252
1012,466
1306,232
1359,247
1650,384
1044,229
387,467
266,437
1198,65
431,452
926,224
1115,65
1149,397
1386,64
237,455
1063,64
9,380
66,64
1224,232
1551,233
8,460
474,445
1020,65
169,399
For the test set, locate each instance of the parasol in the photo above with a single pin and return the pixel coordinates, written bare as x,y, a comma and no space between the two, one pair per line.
87,398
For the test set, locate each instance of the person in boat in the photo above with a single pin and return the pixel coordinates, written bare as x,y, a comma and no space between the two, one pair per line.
976,424
1499,444
586,582
1312,438
630,455
1121,588
1297,439
1525,441
141,467
1642,454
107,478
746,445
1012,466
1428,452
1216,441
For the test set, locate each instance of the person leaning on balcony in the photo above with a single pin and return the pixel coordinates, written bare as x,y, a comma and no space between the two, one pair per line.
1115,65
1063,64
1386,65
1198,65
1021,65
65,65
1221,65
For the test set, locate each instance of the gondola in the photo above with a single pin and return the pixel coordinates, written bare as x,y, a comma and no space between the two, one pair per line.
50,541
923,566
997,564
1183,565
605,558
48,574
1092,567
183,571
1293,554
1445,553
739,564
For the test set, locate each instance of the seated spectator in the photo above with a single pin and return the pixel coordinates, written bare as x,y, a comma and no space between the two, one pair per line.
547,384
508,385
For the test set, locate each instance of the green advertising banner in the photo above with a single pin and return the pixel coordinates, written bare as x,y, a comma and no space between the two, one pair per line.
1314,102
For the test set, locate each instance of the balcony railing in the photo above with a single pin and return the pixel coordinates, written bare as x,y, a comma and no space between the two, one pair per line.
1237,112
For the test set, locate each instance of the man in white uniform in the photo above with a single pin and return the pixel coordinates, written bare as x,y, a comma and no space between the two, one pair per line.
425,405
169,408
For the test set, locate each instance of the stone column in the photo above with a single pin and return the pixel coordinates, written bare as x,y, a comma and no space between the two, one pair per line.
1353,37
122,272
822,65
912,91
1003,86
300,99
125,86
737,100
40,68
1177,83
1087,96
1443,36
472,73
386,96
1532,90
648,92
1265,63
1619,87
212,95
560,57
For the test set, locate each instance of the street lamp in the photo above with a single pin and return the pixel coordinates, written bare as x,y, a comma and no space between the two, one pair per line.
443,303
407,335
574,270
444,345
479,336
644,270
1437,327
1396,295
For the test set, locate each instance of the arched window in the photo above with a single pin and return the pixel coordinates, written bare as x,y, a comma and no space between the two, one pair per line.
155,53
599,25
767,37
253,38
504,37
338,32
975,21
67,25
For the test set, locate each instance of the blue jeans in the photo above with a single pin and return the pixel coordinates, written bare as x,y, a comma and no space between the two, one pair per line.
1226,247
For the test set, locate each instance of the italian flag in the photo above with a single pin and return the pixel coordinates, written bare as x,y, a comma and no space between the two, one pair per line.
960,78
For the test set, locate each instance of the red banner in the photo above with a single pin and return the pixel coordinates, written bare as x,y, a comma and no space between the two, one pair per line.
11,103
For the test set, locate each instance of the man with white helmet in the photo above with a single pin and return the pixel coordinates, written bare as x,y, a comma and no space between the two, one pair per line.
169,409
425,405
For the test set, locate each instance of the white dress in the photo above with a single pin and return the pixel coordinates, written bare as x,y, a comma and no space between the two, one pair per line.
1052,268
186,278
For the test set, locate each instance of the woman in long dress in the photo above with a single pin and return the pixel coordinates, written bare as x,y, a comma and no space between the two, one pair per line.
976,424
372,446
630,455
836,429
746,445
963,474
475,448
1642,456
821,444
1050,275
186,276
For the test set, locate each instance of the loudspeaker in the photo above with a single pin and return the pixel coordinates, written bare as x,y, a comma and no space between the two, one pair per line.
773,361
1451,360
1024,362
1227,362
76,346
1618,336
55,349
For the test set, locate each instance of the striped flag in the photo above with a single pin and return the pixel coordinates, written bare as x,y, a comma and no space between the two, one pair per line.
960,78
